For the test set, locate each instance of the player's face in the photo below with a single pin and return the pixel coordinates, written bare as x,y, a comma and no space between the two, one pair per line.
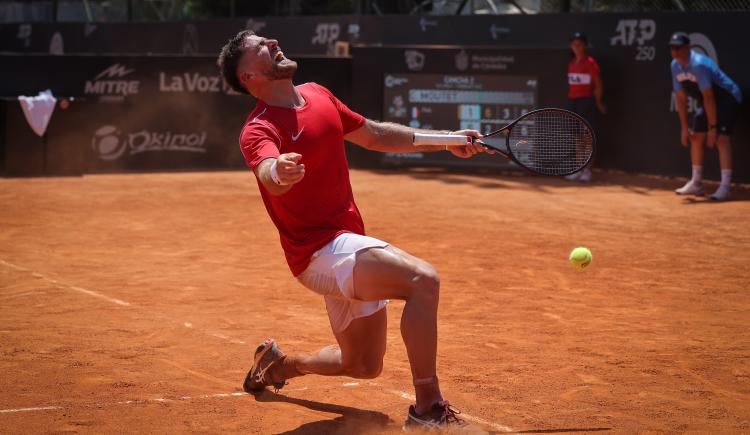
681,53
578,47
262,60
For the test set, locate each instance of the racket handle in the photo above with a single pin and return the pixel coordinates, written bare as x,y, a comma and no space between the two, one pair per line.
441,139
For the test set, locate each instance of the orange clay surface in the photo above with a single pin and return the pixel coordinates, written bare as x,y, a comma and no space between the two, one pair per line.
133,303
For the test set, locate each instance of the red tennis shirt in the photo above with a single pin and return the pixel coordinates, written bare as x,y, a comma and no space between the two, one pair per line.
321,206
581,77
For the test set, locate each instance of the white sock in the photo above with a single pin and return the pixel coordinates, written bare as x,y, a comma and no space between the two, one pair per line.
726,177
697,174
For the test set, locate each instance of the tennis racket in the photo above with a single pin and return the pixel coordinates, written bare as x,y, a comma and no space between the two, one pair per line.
549,141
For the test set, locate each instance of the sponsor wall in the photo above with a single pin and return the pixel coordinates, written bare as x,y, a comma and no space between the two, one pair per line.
142,112
639,132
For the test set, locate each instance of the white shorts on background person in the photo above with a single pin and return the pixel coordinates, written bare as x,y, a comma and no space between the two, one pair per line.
331,274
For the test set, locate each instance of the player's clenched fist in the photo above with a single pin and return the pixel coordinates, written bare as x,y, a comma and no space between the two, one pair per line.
287,169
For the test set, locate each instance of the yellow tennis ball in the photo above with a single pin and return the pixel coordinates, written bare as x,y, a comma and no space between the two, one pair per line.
580,257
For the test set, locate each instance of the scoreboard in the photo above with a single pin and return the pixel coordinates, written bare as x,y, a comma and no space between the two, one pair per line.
455,102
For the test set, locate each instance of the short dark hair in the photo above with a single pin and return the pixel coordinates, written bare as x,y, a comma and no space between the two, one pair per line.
229,58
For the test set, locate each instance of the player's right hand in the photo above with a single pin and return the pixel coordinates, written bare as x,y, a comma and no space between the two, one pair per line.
289,168
685,137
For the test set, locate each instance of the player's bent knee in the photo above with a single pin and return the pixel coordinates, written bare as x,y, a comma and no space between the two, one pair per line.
427,282
365,369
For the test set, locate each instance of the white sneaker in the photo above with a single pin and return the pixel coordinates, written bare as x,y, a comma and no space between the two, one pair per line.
585,176
721,194
573,177
690,188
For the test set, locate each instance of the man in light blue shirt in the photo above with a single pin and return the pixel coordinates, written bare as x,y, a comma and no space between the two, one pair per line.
697,76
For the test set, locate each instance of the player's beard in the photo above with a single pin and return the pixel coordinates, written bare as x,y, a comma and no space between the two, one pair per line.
283,70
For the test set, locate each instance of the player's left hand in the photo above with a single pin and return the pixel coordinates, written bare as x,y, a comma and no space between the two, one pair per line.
467,150
711,138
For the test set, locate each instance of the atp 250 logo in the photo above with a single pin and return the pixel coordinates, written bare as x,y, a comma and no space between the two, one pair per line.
638,33
326,34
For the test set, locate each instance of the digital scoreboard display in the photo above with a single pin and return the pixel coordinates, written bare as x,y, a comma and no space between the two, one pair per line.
455,102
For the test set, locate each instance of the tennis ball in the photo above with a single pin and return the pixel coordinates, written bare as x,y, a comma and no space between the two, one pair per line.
580,257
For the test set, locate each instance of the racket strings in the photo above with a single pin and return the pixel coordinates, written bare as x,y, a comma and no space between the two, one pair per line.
552,142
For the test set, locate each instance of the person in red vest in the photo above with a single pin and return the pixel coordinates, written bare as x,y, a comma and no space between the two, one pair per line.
584,90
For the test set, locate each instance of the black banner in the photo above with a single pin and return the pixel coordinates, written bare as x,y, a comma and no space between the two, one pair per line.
147,112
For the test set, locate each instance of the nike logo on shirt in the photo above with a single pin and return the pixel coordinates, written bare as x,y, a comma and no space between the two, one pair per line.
296,136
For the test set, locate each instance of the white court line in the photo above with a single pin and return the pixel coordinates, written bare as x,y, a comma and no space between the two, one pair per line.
99,295
13,266
132,402
71,287
401,394
182,398
38,408
229,339
117,301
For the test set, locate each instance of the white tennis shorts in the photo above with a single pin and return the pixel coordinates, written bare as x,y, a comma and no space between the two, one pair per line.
331,274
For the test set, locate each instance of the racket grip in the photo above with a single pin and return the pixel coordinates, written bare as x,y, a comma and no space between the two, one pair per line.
441,139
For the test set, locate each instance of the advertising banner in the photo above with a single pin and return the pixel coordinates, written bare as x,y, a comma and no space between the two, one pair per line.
151,112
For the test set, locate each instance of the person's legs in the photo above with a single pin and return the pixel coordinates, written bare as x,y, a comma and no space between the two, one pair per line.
359,353
586,108
591,114
695,185
378,272
697,141
723,143
391,273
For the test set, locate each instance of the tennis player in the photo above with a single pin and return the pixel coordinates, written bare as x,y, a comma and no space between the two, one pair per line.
585,90
294,142
697,76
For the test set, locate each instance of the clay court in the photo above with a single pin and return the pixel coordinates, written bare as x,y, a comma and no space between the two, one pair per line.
134,303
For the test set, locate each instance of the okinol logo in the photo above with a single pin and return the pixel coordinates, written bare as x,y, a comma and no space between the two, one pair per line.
110,143
107,143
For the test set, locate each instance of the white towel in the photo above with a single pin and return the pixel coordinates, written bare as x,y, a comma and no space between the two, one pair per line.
38,110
